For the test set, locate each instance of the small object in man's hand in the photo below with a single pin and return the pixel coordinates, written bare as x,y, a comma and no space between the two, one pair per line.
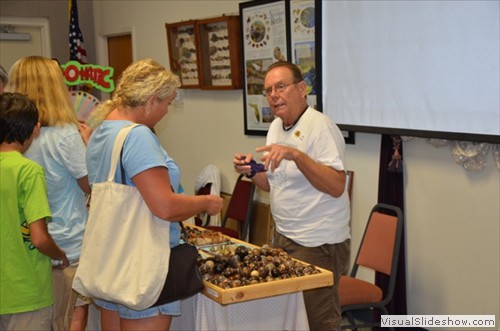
254,166
257,167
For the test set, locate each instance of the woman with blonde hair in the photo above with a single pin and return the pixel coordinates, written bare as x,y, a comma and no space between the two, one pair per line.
4,79
60,150
142,96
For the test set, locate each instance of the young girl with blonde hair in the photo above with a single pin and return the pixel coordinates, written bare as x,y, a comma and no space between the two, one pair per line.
60,150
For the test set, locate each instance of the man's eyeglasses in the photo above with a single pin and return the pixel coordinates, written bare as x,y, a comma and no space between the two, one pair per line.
280,88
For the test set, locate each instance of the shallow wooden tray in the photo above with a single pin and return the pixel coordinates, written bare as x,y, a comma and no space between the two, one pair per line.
267,289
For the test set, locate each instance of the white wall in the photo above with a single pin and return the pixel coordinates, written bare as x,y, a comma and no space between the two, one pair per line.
452,215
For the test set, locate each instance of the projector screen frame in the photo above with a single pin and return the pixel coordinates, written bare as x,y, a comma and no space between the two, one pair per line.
349,130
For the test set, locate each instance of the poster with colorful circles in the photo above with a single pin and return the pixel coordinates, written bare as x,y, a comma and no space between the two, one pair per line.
302,38
264,33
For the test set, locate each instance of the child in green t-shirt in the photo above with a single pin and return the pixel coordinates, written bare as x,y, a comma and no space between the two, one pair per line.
26,247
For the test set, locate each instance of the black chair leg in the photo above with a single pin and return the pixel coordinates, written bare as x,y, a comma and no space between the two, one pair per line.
352,322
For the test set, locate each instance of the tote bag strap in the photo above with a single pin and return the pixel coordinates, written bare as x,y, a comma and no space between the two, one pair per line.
117,147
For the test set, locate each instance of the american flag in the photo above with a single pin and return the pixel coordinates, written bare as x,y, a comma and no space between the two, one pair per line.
76,50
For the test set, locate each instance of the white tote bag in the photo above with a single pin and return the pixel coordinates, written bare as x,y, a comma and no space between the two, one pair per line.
126,249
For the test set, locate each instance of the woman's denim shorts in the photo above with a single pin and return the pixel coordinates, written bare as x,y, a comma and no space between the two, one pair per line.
172,308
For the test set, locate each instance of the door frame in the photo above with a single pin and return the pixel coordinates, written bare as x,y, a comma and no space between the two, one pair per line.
102,48
41,23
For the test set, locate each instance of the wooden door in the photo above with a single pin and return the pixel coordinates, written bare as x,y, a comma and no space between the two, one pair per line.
119,54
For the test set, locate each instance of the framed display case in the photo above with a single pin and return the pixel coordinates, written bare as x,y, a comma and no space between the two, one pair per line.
220,53
206,53
182,40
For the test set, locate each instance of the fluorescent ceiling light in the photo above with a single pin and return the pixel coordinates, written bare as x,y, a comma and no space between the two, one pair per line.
15,36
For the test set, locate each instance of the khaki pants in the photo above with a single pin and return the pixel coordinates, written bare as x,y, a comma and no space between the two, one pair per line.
35,320
322,304
64,298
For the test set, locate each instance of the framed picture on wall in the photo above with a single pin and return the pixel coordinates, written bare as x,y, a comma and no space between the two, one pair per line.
274,30
264,36
303,45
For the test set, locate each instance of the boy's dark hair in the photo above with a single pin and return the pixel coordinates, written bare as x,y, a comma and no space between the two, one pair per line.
18,118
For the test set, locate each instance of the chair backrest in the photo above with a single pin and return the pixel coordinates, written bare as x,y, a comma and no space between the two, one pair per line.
379,248
349,180
208,182
240,204
205,189
203,218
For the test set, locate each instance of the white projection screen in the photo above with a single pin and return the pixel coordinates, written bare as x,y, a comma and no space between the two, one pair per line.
420,68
